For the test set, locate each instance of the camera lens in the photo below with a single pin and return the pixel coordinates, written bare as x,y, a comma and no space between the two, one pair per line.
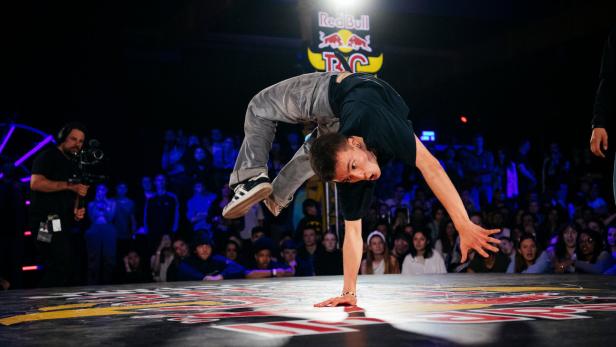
98,154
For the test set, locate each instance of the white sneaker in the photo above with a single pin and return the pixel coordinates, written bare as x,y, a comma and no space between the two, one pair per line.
246,195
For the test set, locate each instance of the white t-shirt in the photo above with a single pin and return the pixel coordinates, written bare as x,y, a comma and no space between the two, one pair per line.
420,265
379,269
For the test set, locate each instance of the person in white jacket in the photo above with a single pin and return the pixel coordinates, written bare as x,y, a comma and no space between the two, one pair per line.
423,259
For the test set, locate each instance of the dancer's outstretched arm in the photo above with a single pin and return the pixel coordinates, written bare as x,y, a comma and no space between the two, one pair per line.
351,259
472,236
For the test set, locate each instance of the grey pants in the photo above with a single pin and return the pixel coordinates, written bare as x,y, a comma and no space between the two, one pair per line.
296,100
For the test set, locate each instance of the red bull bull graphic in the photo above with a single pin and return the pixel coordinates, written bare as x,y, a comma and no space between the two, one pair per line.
352,42
348,35
333,40
357,43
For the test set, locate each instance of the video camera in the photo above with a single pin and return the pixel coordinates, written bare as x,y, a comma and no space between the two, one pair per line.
85,161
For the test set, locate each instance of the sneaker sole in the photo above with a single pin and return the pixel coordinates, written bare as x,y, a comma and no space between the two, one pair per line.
241,207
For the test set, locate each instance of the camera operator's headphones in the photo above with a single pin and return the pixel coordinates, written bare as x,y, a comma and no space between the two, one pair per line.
67,128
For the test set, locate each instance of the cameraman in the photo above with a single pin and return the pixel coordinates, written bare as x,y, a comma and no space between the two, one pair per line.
53,209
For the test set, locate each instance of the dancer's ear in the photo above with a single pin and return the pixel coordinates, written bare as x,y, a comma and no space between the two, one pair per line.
355,141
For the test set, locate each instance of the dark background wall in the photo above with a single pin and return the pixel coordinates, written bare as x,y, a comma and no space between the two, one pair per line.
130,69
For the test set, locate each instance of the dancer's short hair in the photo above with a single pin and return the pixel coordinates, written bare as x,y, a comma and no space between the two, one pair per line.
323,153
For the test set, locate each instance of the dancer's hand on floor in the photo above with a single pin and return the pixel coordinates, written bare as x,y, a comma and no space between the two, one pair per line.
472,236
347,300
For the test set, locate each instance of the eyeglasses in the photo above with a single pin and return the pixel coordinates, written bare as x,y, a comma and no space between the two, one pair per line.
588,241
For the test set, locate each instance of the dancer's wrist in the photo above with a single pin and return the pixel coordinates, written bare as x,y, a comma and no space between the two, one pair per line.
462,225
349,293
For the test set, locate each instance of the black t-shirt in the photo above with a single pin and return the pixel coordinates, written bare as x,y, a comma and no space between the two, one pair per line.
603,114
160,214
56,167
500,263
370,108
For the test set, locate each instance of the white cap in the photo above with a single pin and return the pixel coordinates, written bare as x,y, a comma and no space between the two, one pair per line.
376,233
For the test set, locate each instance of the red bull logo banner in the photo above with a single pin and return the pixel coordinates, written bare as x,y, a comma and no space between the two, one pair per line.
348,35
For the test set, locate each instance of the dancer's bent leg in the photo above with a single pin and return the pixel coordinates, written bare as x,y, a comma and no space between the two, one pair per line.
295,172
295,100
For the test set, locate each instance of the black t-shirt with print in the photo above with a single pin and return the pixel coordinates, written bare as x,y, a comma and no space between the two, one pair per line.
56,167
370,108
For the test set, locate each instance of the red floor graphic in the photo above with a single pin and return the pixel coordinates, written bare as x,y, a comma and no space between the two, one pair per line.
409,308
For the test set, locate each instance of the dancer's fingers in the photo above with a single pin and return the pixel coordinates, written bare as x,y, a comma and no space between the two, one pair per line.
324,303
491,248
493,231
464,253
481,251
493,240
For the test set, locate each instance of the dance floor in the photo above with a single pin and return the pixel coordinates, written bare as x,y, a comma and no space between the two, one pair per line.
394,310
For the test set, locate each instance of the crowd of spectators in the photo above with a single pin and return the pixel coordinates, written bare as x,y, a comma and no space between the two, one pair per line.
553,215
552,210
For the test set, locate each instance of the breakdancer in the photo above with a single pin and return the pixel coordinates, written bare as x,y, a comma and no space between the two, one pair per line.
361,125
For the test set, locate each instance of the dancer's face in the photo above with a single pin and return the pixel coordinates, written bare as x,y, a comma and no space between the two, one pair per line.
356,163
